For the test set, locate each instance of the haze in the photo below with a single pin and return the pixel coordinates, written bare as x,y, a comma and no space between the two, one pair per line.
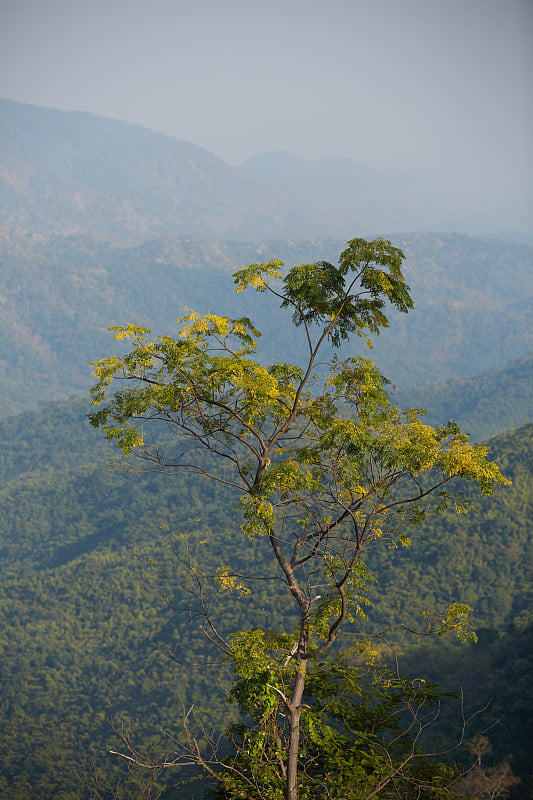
438,89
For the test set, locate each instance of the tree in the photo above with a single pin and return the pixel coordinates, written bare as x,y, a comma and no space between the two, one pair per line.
322,462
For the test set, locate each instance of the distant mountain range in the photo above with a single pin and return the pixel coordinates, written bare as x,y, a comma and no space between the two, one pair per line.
376,201
382,201
73,172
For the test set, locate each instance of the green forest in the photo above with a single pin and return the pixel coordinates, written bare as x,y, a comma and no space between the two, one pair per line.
91,601
59,294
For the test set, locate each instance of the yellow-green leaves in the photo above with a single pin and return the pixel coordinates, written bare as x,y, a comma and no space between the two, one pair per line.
319,454
457,621
127,331
255,275
230,585
323,461
104,371
355,595
359,382
470,462
288,478
206,324
257,649
201,328
258,516
127,438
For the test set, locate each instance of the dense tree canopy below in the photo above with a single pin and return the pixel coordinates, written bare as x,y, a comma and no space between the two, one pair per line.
79,597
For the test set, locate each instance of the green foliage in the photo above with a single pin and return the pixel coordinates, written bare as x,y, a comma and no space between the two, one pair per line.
320,292
359,724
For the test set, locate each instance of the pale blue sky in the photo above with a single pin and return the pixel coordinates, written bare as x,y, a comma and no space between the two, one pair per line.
440,88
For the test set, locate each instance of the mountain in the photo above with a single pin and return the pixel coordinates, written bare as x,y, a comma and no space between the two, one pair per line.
71,172
91,594
59,294
483,405
103,222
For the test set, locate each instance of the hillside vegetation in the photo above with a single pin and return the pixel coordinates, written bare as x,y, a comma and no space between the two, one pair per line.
58,295
482,405
106,223
87,578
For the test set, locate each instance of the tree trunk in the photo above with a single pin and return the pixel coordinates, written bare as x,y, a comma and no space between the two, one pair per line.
295,714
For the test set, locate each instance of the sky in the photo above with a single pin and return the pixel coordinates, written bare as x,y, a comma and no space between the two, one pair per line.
440,89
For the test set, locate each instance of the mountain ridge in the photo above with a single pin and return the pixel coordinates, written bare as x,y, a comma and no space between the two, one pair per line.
59,294
70,171
483,405
393,201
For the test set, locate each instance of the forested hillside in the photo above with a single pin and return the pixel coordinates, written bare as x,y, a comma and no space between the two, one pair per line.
494,676
59,295
87,576
482,405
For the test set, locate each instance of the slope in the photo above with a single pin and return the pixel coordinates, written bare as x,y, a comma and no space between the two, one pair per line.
376,201
380,201
64,172
59,294
482,405
90,590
